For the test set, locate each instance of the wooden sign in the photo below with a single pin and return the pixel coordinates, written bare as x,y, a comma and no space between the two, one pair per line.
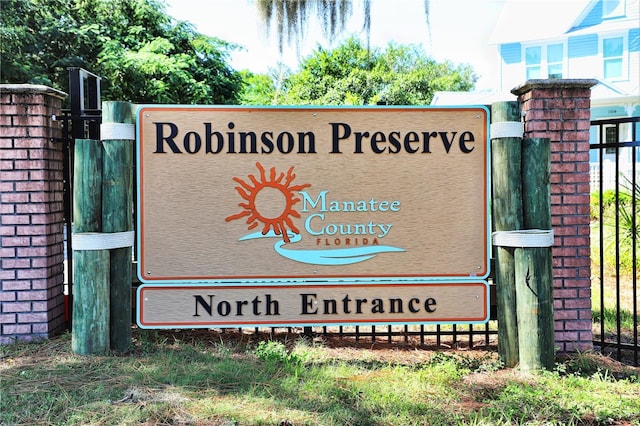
206,306
230,194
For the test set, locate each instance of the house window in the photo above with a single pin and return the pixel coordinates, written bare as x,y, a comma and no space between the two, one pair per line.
612,9
545,61
533,59
612,49
555,60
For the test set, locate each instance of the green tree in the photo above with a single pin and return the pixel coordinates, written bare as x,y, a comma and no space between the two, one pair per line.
259,89
141,54
263,89
352,74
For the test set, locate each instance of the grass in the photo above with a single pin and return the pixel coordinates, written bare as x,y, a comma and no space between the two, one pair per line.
211,378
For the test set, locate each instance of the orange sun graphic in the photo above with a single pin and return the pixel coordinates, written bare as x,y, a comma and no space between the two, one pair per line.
269,201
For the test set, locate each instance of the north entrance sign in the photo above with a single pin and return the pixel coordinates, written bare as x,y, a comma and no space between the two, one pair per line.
377,194
206,306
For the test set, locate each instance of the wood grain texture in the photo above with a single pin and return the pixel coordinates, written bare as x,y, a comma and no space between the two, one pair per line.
117,208
90,331
507,216
534,266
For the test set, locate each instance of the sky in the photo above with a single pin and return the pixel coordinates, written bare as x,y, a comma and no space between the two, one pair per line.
459,31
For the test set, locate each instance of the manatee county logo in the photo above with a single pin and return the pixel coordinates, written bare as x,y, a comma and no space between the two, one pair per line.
270,200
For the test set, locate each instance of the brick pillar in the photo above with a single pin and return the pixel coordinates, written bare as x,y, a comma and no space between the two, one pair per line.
31,214
560,110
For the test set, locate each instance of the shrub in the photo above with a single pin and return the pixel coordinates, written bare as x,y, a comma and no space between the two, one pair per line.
276,352
627,219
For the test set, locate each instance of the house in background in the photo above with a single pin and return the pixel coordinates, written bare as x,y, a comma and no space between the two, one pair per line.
569,39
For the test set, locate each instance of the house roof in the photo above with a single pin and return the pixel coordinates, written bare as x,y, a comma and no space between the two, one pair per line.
526,20
601,94
606,93
470,98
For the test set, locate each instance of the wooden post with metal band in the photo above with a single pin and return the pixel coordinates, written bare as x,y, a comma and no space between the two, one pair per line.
506,136
103,235
118,135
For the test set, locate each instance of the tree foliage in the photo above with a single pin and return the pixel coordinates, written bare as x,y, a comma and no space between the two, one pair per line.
141,54
291,17
353,74
259,89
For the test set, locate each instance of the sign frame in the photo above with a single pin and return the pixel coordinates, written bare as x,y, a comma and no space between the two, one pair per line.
379,278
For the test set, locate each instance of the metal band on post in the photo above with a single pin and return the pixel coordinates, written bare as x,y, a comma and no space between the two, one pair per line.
117,131
507,129
102,241
523,238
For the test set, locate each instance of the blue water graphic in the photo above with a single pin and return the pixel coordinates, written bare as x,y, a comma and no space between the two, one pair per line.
322,257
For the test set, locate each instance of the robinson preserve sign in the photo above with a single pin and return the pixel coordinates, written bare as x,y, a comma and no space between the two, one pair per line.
299,216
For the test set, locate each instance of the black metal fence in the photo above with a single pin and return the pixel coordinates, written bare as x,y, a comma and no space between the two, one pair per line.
465,336
615,207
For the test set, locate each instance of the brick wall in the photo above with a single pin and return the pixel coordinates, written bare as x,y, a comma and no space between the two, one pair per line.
560,110
31,214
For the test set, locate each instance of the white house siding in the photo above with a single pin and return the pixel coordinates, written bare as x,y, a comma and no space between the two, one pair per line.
579,26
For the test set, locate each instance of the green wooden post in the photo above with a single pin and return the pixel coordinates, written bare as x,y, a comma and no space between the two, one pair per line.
534,269
117,216
507,216
90,333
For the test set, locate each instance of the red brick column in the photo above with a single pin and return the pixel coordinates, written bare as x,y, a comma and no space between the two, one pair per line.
560,110
31,214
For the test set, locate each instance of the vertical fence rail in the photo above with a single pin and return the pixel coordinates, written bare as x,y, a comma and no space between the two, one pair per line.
617,150
469,336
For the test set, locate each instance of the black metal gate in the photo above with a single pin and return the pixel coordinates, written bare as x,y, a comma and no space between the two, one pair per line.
615,216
